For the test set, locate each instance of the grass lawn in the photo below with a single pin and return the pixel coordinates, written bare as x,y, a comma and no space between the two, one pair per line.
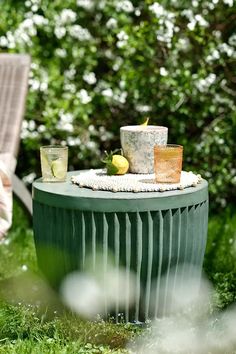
32,319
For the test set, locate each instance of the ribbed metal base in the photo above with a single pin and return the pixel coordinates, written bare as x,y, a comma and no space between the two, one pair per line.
149,243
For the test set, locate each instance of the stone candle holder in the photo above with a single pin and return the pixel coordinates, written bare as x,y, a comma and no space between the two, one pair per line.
138,142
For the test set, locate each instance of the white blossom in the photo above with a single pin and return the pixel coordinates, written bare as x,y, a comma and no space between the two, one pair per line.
31,125
120,97
60,32
232,40
225,48
229,2
86,4
79,32
203,84
124,5
163,71
70,74
107,92
117,64
122,39
24,268
34,84
71,141
70,87
111,23
143,108
41,128
39,20
3,41
201,21
90,78
214,55
67,16
65,121
122,36
166,23
28,179
84,96
60,52
157,9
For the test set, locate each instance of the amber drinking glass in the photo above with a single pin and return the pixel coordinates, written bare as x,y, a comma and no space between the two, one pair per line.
168,161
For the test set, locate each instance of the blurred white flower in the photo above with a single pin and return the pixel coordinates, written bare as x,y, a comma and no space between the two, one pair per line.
61,52
60,32
215,55
225,48
80,33
90,78
228,2
111,23
157,9
107,92
201,21
89,293
143,108
31,125
122,39
3,41
86,4
70,74
163,71
39,20
70,87
84,96
124,5
67,16
232,40
34,84
65,121
41,128
203,84
122,36
120,97
166,23
24,268
28,179
66,117
191,25
118,63
71,141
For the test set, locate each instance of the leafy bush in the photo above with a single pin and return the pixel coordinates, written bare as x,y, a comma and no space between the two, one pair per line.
98,65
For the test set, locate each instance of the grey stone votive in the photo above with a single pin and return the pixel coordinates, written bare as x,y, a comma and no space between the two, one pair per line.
137,142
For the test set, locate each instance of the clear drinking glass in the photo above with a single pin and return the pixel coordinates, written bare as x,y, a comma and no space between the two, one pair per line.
54,161
168,161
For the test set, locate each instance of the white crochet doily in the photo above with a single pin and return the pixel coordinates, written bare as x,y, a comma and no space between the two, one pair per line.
99,180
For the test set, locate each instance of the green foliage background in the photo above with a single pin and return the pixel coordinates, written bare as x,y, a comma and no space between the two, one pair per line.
98,65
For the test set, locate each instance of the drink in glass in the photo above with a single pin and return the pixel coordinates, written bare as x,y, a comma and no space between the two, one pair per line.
54,161
168,161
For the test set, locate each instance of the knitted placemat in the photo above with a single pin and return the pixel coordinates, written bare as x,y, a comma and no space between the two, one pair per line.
99,180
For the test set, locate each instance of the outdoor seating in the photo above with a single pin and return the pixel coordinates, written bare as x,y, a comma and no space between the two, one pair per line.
14,70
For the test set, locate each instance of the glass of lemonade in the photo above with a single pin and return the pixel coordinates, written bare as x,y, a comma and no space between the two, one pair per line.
54,161
168,160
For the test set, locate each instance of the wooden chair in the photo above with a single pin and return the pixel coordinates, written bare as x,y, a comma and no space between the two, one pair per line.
14,70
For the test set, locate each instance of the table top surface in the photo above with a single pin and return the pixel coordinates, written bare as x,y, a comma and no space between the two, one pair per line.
68,195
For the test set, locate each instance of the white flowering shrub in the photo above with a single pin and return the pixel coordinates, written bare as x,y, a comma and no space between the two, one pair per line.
97,65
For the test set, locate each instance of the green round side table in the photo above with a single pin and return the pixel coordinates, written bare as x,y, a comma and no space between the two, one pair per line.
148,233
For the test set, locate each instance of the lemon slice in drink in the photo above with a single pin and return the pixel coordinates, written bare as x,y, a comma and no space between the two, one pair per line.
58,169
